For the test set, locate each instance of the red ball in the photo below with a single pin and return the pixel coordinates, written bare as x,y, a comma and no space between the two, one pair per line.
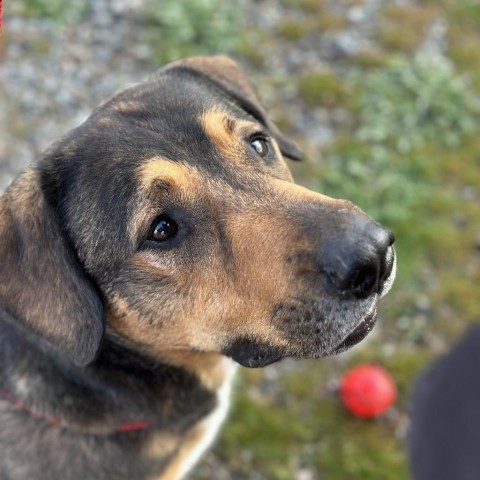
368,391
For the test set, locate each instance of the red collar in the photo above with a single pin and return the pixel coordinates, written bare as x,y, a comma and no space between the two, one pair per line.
124,427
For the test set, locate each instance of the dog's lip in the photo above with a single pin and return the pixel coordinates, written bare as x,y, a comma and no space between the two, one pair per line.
391,270
358,333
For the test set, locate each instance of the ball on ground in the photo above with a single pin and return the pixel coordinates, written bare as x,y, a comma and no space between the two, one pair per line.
368,391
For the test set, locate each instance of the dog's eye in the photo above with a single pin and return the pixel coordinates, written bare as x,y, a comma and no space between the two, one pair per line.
260,145
164,229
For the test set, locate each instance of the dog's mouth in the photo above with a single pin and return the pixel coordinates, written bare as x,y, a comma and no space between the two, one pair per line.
357,335
256,354
253,354
304,343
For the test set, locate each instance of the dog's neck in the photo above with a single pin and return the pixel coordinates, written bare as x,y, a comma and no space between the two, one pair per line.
123,386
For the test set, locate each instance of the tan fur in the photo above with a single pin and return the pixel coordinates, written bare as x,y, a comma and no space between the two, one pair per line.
127,107
168,171
160,445
227,134
230,137
158,176
209,367
189,442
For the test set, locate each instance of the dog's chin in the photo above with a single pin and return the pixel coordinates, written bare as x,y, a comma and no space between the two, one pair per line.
254,354
356,335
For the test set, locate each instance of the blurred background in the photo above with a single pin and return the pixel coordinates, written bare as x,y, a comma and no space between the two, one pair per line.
383,96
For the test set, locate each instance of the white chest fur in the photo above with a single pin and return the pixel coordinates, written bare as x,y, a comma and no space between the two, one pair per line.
201,436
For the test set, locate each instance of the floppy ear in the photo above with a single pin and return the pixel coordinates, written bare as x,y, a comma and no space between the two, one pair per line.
42,285
227,75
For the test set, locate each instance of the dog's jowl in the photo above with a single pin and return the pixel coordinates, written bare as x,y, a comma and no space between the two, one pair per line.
148,252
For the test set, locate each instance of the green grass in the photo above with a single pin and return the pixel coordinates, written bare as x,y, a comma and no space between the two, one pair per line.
399,19
270,432
59,12
192,27
292,29
324,88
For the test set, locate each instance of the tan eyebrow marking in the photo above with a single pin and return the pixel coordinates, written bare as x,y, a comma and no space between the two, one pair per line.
226,133
156,177
164,173
230,124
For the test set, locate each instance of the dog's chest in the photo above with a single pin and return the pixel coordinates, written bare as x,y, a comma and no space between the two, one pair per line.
191,446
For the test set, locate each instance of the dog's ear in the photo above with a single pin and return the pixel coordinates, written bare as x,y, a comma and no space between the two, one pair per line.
227,75
42,286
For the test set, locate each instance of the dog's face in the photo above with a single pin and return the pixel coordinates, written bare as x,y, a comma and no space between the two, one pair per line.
176,207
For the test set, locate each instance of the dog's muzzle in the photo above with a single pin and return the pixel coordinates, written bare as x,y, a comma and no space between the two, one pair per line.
350,267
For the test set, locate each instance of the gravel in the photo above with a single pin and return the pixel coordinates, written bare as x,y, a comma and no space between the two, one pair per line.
52,77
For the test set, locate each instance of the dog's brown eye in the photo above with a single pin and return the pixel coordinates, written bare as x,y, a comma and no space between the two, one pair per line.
260,146
165,228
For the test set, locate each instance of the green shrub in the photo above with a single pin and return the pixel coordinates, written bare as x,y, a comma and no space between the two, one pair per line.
58,11
191,27
412,102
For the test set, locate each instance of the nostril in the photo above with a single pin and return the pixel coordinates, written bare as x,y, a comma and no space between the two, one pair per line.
357,280
364,281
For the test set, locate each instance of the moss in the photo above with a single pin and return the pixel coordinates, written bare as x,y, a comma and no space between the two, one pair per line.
327,22
464,13
464,51
308,6
400,19
325,89
291,29
268,435
250,51
370,59
178,29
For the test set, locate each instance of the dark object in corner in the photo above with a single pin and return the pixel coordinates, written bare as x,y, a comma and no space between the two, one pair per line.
444,441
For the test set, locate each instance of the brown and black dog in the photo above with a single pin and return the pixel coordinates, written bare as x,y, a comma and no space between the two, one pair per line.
145,254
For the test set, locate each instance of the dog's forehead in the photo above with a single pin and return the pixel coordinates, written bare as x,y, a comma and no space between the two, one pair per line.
175,116
178,117
170,101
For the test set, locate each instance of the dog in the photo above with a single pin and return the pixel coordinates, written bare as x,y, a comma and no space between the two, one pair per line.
147,253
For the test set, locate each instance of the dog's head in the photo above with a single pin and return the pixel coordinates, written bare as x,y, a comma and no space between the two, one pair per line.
172,214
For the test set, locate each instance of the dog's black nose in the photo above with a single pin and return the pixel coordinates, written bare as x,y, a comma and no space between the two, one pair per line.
357,261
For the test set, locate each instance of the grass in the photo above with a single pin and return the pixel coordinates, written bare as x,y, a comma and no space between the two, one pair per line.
323,89
399,19
191,27
292,29
59,12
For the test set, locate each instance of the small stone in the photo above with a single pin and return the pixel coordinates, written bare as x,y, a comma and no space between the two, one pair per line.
304,474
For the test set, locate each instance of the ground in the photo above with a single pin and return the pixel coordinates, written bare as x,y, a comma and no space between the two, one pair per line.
384,98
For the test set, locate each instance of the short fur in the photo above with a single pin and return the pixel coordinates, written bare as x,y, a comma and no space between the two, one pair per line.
103,328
